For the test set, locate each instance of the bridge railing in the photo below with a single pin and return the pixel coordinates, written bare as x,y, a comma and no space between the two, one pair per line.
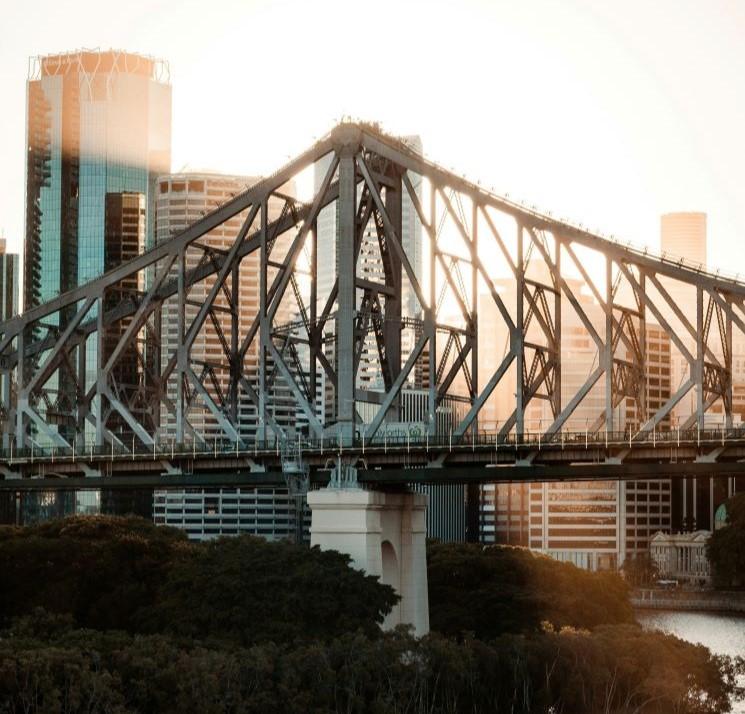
333,445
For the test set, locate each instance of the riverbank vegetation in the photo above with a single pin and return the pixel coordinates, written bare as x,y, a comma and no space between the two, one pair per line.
115,615
726,547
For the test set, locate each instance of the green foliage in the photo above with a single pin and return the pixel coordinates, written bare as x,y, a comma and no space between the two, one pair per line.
128,574
246,626
101,570
617,668
726,547
249,590
491,590
640,569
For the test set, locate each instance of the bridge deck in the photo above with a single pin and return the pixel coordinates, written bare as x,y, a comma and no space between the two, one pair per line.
386,462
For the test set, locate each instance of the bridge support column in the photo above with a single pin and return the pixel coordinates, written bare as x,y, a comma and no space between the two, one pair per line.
384,533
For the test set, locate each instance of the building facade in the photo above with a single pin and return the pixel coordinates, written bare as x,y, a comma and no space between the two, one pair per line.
204,514
9,299
682,556
593,524
182,200
97,123
98,126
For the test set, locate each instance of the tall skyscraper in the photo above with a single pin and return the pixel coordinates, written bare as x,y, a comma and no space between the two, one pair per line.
98,132
8,308
124,238
696,499
273,513
98,123
683,235
182,200
9,290
9,285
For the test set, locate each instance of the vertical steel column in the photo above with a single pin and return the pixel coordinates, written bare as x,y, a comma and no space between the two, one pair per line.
264,323
556,397
22,400
157,362
711,503
608,344
518,337
392,324
314,335
347,293
643,406
101,378
728,403
235,367
81,404
699,376
8,407
695,504
431,312
180,345
474,312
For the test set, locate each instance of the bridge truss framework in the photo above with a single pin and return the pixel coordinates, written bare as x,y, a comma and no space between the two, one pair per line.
305,339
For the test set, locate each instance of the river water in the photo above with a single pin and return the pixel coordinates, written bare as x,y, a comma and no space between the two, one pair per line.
722,634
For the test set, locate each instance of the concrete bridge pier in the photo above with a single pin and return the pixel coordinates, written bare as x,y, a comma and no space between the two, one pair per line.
385,534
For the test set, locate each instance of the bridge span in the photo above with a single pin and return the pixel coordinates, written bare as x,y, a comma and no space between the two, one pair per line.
165,373
383,462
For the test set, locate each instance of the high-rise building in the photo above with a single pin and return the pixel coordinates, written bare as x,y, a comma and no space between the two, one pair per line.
9,291
205,514
182,200
593,524
696,499
9,285
124,238
648,504
98,127
8,308
208,513
98,123
683,235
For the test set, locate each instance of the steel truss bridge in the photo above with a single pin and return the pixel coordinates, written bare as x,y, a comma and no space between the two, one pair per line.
111,384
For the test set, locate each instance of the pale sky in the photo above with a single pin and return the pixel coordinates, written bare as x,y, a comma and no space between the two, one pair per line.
608,113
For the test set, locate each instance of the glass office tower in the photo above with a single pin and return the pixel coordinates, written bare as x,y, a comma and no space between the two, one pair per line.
98,123
98,132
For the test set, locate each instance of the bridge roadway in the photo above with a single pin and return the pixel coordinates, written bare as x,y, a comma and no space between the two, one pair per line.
387,462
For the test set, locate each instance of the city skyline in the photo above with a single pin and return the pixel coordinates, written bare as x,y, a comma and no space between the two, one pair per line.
627,133
341,337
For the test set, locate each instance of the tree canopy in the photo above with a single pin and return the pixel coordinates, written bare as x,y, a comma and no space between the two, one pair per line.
249,590
116,616
46,665
490,590
726,546
126,573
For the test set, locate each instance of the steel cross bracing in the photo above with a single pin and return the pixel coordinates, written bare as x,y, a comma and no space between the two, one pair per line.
151,383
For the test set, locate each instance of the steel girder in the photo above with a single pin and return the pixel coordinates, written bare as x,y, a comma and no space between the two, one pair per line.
302,339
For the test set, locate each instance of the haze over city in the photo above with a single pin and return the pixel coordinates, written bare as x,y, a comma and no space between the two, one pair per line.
607,114
322,387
